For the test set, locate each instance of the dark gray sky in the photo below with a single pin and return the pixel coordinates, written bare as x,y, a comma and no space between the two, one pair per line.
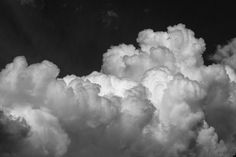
74,34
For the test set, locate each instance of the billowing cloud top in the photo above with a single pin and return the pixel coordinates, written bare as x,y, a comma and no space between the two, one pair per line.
156,101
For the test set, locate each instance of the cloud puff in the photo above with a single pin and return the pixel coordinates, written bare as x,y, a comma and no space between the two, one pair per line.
158,100
226,54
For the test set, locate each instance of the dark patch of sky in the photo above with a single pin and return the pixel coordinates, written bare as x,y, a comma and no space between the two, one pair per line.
74,34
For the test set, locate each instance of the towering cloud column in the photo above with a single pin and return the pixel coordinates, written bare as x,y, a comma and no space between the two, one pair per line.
159,100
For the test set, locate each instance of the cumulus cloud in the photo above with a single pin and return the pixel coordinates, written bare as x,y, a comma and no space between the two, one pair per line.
13,132
159,100
226,54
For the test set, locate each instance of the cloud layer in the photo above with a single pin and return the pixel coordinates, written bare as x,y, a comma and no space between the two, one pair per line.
159,100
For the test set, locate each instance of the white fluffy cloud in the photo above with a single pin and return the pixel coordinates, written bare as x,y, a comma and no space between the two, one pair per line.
159,101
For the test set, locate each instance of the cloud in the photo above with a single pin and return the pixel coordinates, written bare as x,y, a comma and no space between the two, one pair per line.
226,54
158,100
13,132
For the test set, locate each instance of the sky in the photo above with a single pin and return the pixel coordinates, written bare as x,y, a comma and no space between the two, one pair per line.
117,79
69,32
